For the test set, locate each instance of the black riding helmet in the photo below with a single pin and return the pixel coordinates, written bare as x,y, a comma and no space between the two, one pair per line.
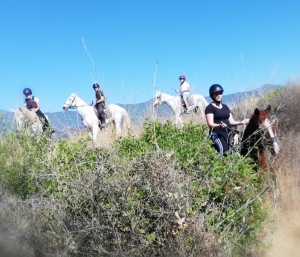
95,85
215,88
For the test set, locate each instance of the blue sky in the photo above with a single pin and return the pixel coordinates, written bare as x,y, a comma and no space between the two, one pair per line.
139,47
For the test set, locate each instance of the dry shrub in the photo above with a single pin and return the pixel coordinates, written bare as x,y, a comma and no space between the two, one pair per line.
18,237
285,197
99,213
288,173
288,109
244,106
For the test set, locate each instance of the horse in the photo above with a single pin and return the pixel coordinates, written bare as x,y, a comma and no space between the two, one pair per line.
26,119
90,121
258,134
198,104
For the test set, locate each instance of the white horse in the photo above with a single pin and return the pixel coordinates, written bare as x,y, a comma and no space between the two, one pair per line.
90,120
26,119
198,106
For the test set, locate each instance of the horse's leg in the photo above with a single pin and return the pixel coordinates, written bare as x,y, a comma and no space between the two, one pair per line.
178,119
262,161
95,132
118,126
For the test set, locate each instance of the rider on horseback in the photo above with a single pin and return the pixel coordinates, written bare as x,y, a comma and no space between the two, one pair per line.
100,104
184,92
219,119
32,103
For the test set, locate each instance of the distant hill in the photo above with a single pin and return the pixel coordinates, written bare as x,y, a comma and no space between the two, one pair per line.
70,119
241,96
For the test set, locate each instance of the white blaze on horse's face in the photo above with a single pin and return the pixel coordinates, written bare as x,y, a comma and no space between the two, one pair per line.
268,125
157,99
69,103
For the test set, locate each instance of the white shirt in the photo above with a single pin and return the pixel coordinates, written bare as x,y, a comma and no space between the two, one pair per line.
184,87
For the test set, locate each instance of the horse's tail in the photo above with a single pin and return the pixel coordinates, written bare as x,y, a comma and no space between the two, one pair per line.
126,119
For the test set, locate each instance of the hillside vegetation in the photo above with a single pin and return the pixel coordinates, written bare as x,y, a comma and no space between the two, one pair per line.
160,191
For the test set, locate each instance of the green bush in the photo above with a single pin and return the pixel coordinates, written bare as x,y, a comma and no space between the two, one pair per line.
162,193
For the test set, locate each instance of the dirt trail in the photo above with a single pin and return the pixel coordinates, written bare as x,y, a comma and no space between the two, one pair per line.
284,232
285,239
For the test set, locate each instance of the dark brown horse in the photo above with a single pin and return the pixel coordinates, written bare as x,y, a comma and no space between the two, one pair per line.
258,135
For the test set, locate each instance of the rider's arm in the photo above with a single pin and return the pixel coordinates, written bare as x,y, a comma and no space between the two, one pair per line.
233,122
188,88
100,100
210,121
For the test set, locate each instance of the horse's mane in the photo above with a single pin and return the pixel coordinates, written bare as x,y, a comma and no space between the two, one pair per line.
252,126
24,113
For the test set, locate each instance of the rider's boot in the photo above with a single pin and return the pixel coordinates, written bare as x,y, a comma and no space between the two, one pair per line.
102,123
186,110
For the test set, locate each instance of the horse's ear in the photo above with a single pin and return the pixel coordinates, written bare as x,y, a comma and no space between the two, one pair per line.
268,110
256,112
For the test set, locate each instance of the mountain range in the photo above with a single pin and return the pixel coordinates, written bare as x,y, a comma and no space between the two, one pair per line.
137,112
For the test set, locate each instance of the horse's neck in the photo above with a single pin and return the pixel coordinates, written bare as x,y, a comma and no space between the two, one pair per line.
83,109
169,100
28,114
80,102
251,128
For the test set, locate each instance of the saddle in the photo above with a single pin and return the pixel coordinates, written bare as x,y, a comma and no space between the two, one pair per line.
190,101
107,112
232,138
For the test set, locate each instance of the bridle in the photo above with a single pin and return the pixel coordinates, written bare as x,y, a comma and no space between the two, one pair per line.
68,105
71,104
268,125
158,97
159,101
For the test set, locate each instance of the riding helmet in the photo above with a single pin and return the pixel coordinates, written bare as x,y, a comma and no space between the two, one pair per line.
215,88
182,77
95,85
27,91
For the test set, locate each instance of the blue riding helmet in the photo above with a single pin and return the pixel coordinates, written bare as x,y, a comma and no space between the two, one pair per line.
95,85
27,91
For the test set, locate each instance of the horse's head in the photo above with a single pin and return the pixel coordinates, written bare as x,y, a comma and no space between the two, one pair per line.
263,117
157,99
259,131
18,117
26,119
263,121
71,102
267,122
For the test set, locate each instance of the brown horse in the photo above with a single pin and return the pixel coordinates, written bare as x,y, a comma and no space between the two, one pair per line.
258,135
